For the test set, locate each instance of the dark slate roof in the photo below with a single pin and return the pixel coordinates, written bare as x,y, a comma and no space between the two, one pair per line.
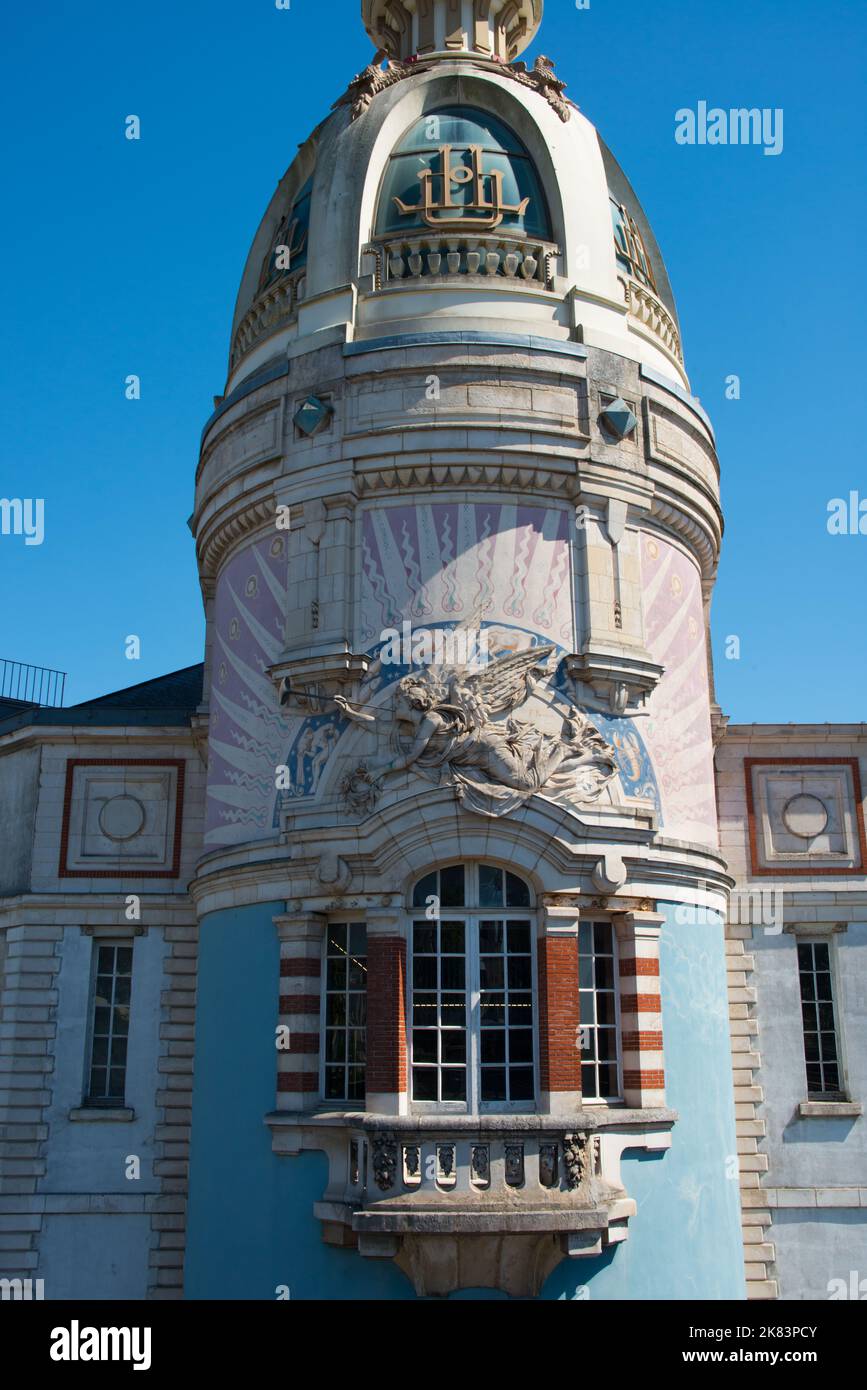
170,699
179,690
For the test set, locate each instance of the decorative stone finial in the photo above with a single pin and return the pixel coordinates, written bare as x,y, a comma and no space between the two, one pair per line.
491,28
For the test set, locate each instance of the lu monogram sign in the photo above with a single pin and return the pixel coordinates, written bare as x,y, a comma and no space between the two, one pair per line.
487,194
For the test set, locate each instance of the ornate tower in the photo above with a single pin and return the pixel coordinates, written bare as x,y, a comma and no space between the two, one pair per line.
457,522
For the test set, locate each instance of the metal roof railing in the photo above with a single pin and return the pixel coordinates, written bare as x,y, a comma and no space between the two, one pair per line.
35,685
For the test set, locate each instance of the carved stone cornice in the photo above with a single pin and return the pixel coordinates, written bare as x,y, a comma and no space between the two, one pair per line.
222,532
501,473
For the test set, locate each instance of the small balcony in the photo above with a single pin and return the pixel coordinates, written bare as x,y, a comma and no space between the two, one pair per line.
490,1201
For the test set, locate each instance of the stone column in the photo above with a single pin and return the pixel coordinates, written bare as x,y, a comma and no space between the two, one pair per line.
559,1019
386,1014
301,938
640,1008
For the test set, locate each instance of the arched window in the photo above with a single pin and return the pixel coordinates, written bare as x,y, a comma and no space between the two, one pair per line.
472,1035
629,245
464,170
289,247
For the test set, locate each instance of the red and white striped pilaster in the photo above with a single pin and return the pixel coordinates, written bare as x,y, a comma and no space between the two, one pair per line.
643,1063
301,939
559,1040
386,1014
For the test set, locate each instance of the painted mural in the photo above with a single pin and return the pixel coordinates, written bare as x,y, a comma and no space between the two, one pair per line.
678,733
247,730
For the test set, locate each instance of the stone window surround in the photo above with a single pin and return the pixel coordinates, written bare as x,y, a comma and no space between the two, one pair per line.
812,1108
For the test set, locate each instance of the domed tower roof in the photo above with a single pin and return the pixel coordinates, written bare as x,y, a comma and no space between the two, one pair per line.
451,187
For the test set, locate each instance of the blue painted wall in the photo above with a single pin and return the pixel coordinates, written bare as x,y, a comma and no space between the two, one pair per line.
251,1225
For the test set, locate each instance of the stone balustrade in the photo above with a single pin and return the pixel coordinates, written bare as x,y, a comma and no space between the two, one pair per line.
435,256
275,306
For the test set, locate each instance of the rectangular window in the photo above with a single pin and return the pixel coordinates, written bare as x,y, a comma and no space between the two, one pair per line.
600,1030
821,1044
345,1011
109,1031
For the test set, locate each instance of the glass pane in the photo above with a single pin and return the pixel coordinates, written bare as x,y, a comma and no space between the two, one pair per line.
811,1046
122,989
336,974
452,938
605,1012
97,1081
520,1009
492,972
585,972
334,1083
585,938
519,938
105,960
521,1083
424,938
335,1010
517,892
493,1083
521,1045
520,972
604,972
490,886
453,1044
115,1082
805,955
124,960
121,1020
337,940
424,1045
490,936
810,1018
357,1009
118,1052
602,938
829,1047
424,1083
454,1010
424,972
832,1077
452,886
493,1009
814,1076
358,939
820,955
101,1020
454,1083
608,1080
607,1044
823,986
335,1045
357,973
826,1017
588,1081
356,1049
493,1045
453,972
100,1052
355,1087
807,987
424,889
424,1009
588,1051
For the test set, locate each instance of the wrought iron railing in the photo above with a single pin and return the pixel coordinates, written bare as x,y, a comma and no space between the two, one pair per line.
35,685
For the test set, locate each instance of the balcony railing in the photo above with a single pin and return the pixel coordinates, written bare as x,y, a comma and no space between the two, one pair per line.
435,257
32,685
430,1191
644,307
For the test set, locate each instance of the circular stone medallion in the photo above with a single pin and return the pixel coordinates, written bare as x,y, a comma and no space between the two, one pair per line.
805,816
121,817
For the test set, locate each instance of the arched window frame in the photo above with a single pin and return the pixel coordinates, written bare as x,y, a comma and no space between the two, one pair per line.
472,912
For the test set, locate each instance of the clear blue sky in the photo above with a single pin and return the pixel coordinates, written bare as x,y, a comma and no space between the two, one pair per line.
123,257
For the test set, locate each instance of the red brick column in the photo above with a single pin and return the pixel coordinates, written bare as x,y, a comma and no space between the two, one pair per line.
559,1021
640,1008
386,1017
301,939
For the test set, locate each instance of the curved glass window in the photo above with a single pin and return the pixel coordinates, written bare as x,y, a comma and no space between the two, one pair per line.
629,245
289,247
462,169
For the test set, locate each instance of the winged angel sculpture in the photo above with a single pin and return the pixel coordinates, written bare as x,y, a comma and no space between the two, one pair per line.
457,738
